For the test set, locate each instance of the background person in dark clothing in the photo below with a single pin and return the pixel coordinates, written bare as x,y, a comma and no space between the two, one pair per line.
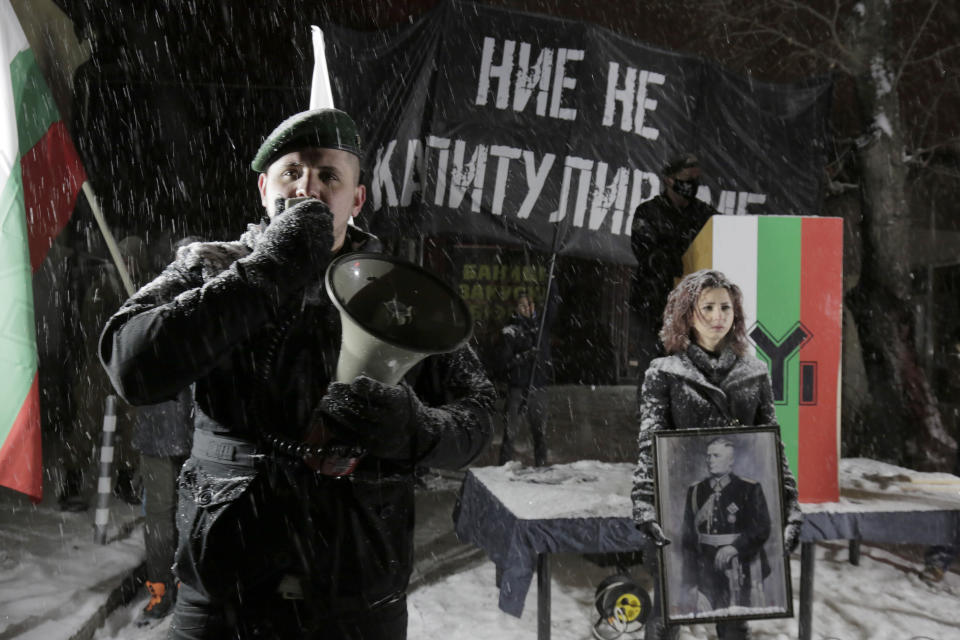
518,353
662,231
102,295
162,433
273,542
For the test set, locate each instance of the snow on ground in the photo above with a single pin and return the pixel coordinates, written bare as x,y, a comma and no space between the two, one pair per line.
120,624
882,599
53,576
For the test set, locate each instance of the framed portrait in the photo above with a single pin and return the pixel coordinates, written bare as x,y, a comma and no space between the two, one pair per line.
718,499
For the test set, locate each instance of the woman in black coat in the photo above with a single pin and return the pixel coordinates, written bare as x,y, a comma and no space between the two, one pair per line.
707,380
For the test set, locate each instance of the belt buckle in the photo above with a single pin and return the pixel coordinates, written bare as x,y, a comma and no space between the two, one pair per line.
290,587
338,466
224,451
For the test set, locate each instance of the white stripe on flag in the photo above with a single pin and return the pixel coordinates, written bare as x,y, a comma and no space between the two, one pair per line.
12,42
735,254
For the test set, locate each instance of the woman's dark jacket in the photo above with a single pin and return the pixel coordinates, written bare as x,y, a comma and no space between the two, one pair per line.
261,359
683,391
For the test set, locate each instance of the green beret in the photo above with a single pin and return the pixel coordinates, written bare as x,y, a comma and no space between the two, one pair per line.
327,128
678,163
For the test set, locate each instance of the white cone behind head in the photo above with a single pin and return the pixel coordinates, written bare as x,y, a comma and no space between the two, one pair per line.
393,314
321,96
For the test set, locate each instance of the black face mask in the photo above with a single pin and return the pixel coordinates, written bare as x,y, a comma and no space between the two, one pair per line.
686,188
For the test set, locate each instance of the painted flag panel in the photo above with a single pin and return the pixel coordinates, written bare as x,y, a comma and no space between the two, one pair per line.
776,332
821,310
790,269
40,178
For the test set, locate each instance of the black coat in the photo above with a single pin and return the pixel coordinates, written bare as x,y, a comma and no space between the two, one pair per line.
683,391
659,236
518,352
164,429
261,361
519,347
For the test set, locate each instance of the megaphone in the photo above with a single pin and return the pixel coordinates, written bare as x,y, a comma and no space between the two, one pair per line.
394,314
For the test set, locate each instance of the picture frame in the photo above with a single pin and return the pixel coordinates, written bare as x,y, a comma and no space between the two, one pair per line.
726,560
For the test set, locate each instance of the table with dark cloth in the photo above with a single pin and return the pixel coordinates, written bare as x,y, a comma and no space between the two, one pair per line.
519,516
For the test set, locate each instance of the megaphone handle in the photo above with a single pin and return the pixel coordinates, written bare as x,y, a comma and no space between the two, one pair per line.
328,464
318,433
317,451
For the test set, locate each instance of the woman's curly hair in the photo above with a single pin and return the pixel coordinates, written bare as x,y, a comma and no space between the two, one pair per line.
677,331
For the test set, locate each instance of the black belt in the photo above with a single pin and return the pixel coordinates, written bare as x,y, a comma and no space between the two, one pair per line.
331,460
224,449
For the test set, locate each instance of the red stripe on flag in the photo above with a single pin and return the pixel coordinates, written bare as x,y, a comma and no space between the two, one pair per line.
821,311
52,177
20,459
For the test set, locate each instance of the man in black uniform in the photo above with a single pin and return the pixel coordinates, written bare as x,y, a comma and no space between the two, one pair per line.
663,229
272,542
521,349
725,525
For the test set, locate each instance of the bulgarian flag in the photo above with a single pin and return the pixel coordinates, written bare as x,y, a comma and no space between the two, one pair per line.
40,179
790,269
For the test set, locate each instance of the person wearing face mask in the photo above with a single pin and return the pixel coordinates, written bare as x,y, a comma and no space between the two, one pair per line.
295,513
707,380
663,229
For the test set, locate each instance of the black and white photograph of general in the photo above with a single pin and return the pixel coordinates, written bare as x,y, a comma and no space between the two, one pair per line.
719,501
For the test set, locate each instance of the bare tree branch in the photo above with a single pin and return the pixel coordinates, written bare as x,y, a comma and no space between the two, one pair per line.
913,43
932,56
923,156
749,24
830,22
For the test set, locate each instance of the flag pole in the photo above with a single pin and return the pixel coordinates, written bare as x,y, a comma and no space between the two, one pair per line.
321,95
108,237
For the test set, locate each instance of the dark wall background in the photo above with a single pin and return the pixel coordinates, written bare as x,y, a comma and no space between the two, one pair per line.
177,96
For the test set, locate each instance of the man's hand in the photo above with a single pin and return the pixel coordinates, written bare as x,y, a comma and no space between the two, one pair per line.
525,355
377,416
300,238
654,531
724,555
291,252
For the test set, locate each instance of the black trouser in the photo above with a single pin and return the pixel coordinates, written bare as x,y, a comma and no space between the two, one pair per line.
160,508
252,526
535,409
269,616
656,627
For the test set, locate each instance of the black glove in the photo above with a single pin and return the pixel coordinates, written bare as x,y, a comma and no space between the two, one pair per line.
654,531
379,417
791,536
525,355
293,250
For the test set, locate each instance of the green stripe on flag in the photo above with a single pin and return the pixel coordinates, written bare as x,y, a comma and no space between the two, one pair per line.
18,346
36,110
778,309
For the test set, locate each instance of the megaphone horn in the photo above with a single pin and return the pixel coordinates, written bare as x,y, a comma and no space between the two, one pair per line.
394,314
